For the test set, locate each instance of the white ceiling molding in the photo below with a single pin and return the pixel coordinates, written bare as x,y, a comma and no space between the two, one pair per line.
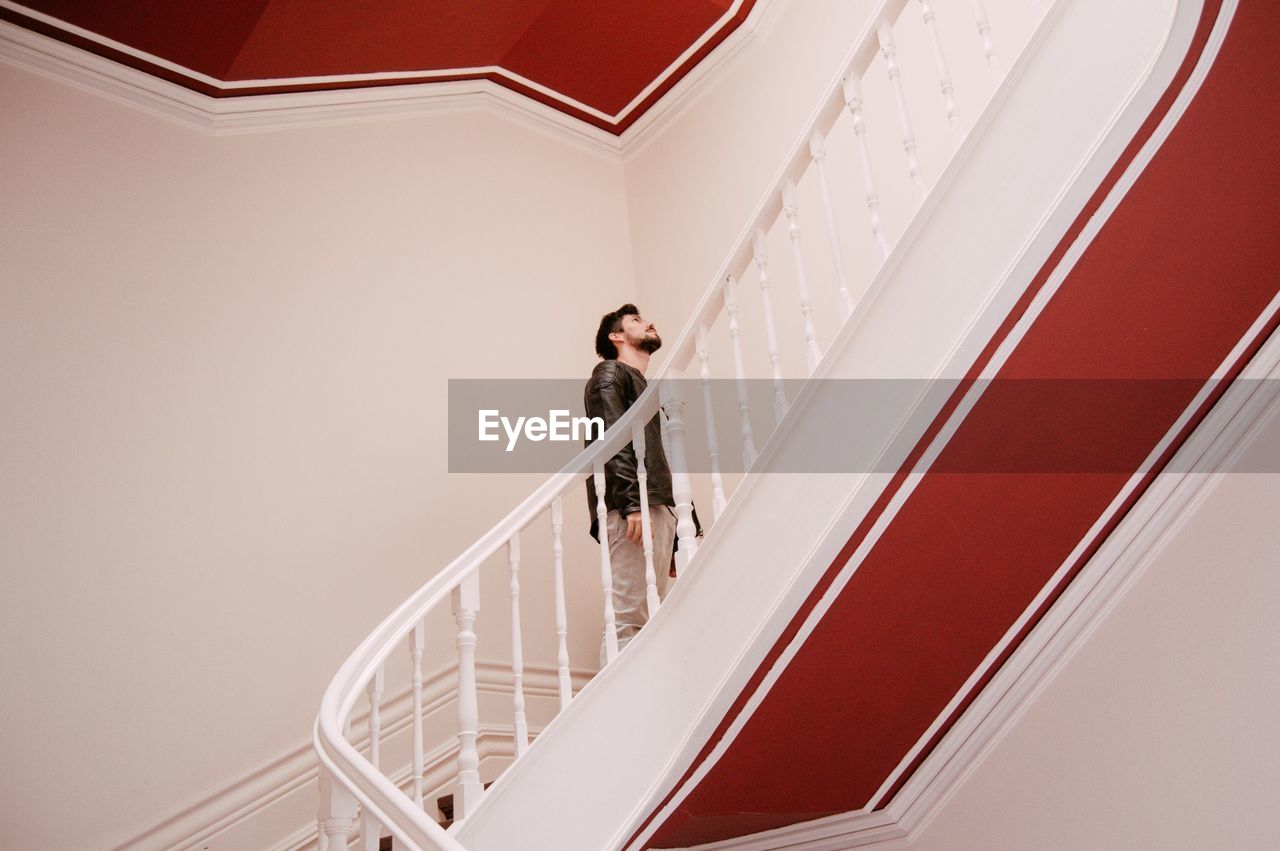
294,772
85,70
701,78
89,72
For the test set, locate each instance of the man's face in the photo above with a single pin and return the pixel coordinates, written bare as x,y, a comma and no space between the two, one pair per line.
641,333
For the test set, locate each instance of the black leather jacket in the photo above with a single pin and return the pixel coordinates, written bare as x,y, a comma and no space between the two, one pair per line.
612,389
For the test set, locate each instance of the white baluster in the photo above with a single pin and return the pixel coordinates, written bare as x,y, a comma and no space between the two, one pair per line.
562,624
740,375
606,572
704,373
415,659
818,150
517,650
466,606
370,832
890,53
944,74
770,332
681,487
646,522
853,100
337,813
988,43
792,212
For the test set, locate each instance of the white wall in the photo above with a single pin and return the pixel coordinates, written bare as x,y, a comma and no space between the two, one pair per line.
1160,731
223,365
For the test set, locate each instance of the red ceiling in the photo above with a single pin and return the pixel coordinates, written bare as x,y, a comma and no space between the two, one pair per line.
601,53
1174,281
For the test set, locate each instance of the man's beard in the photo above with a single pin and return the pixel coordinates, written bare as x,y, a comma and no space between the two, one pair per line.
650,344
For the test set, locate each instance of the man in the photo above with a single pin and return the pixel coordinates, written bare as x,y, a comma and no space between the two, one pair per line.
624,342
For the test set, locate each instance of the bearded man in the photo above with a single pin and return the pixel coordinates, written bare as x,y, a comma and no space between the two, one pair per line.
624,341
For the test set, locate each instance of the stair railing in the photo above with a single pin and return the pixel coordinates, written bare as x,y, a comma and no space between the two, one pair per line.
355,788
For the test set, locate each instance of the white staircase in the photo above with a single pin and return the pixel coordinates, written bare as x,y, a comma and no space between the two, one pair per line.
1021,171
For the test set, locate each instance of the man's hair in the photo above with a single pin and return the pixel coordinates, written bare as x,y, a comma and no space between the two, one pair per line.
611,323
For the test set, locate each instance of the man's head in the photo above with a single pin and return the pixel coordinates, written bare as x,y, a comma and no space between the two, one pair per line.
625,328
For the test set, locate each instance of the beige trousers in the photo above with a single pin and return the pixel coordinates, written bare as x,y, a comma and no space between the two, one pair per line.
630,586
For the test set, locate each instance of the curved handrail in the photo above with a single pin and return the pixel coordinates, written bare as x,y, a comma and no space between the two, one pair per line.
369,785
376,792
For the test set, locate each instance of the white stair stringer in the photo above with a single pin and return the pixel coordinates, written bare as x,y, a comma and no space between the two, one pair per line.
1066,111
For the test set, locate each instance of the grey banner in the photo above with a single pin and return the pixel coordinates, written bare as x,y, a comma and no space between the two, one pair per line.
846,425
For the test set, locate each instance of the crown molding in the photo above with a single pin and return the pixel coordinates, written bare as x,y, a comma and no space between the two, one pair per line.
701,78
73,66
295,771
236,114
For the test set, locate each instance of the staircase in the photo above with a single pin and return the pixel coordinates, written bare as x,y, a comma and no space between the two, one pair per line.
780,639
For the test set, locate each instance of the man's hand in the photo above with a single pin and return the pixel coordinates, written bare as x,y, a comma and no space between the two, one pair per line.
634,529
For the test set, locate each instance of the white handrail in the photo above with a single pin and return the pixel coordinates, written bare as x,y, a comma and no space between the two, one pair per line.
374,790
349,769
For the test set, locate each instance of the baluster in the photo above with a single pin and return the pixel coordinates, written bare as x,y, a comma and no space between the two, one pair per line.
853,100
740,375
944,74
562,624
890,53
415,658
466,606
792,212
370,831
681,487
770,332
818,150
988,43
646,522
606,572
704,372
337,813
517,649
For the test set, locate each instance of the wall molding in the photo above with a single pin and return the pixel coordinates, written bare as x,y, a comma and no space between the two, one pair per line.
87,71
251,792
1228,431
700,79
1229,427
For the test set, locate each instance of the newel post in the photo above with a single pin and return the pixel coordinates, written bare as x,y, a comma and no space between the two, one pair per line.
337,815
